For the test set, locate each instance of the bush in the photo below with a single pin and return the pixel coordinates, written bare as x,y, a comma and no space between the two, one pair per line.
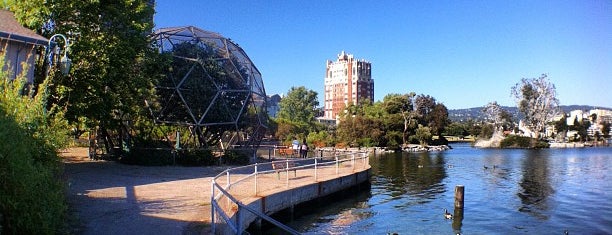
31,192
196,157
236,157
148,156
515,141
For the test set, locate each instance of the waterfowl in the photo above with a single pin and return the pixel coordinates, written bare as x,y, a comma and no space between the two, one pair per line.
420,166
485,167
447,215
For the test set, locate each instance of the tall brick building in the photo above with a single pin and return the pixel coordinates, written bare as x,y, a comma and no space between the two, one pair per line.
347,80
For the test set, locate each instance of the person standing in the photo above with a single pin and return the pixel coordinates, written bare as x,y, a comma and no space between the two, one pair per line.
304,149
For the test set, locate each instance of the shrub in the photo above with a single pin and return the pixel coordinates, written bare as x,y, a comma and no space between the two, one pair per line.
31,192
515,141
148,156
236,157
196,157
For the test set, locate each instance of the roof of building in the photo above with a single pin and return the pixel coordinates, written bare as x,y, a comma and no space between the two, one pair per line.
11,29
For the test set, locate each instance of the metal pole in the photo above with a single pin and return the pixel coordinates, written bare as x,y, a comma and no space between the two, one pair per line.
337,165
227,187
315,169
287,172
212,207
256,179
353,161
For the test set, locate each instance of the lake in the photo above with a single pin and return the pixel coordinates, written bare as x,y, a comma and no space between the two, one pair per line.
507,191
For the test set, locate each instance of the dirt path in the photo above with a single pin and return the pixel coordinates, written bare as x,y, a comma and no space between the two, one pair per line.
111,198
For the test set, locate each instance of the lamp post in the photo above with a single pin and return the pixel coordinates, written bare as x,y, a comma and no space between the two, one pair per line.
65,62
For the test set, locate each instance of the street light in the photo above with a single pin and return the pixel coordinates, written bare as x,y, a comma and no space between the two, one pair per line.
65,62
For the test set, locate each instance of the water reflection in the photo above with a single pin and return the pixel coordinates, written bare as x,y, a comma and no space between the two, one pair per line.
416,175
535,186
522,192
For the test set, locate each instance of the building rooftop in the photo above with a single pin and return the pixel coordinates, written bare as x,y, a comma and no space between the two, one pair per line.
11,29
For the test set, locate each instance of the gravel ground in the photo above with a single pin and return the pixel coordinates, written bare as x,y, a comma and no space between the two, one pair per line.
106,197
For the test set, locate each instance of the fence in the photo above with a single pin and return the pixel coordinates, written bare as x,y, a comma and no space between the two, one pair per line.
234,188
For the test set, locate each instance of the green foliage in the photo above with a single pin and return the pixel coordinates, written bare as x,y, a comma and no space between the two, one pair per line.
486,131
515,141
296,117
236,157
398,119
112,59
423,134
196,157
149,157
605,129
321,139
457,129
31,193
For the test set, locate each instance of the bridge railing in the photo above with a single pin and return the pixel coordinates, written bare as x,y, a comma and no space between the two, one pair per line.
235,188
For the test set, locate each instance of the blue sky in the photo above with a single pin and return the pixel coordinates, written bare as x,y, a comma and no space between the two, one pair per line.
463,53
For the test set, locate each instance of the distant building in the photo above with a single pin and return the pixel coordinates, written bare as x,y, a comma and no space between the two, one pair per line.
347,81
19,45
273,107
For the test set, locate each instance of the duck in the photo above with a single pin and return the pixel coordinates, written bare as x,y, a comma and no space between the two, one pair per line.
447,215
485,167
420,166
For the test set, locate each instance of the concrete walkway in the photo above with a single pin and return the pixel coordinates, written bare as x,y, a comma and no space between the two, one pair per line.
112,198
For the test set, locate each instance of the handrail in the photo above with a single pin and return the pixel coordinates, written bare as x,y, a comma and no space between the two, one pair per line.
254,170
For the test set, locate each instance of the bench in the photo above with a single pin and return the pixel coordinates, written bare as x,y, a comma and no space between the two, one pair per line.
282,166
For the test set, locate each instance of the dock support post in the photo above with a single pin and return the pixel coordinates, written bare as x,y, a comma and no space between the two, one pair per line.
459,190
459,199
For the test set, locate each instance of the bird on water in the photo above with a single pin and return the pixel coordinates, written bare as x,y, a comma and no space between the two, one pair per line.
447,215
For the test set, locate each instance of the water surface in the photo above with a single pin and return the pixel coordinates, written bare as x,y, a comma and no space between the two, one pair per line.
511,191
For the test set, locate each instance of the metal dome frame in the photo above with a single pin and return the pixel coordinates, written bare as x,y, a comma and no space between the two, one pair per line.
211,87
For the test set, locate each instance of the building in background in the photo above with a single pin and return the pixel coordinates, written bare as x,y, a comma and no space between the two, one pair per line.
273,107
347,80
20,46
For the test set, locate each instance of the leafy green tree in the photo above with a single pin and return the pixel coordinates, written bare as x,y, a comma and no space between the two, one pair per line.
438,119
456,129
605,129
423,134
110,51
401,105
424,105
296,116
537,100
561,125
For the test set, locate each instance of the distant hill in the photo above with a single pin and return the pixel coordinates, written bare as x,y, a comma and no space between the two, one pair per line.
458,115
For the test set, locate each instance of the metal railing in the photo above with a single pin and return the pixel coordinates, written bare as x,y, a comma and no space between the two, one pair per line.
233,189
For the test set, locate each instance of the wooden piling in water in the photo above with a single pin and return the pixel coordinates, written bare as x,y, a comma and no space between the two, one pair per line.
459,190
458,218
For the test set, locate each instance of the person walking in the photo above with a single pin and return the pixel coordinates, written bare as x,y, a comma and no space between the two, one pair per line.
304,149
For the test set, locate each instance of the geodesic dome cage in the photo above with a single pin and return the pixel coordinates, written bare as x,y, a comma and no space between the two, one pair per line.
211,87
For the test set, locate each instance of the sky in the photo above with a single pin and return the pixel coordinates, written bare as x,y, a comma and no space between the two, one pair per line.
464,53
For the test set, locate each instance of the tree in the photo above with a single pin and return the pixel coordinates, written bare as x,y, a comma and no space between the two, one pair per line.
536,100
605,129
497,116
561,126
298,109
424,105
438,119
396,104
113,63
423,134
